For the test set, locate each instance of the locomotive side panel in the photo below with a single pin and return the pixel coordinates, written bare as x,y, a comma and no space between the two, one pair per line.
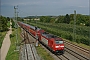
44,40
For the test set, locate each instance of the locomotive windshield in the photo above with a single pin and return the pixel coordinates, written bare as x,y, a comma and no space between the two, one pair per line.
59,42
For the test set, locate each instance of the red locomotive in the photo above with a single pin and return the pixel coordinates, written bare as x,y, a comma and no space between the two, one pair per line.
54,43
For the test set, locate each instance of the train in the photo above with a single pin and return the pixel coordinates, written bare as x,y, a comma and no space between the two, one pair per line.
52,42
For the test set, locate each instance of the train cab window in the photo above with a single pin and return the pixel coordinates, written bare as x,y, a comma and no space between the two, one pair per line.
45,33
59,42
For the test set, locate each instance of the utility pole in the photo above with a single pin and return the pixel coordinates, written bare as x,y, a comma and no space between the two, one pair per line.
0,7
89,28
74,28
16,26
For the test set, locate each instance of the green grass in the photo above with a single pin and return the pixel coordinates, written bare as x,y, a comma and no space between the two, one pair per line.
43,53
12,54
2,35
8,23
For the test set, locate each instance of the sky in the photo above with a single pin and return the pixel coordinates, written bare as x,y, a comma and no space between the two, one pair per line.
44,7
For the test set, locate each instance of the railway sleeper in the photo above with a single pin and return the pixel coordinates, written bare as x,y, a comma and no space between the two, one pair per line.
28,52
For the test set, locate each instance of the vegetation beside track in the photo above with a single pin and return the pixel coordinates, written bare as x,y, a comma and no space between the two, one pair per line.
8,23
43,53
13,54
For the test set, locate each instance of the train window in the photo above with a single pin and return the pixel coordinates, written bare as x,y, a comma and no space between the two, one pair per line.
45,33
59,42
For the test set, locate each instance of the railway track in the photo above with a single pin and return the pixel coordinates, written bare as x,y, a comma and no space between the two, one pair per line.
29,51
76,55
29,46
62,57
78,47
73,53
83,51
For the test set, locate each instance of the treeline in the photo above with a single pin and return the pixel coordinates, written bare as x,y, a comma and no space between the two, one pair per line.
3,23
68,19
47,19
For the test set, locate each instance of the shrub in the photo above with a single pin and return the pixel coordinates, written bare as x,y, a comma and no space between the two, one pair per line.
11,35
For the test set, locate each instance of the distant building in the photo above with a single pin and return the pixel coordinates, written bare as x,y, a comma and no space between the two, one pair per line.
37,19
33,19
26,19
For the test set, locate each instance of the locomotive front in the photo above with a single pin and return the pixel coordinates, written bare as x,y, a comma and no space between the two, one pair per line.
59,46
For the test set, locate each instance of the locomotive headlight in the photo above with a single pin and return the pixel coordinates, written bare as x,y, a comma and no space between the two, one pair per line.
56,46
61,46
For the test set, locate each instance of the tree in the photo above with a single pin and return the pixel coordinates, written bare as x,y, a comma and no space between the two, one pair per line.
3,23
60,19
8,19
67,19
71,17
13,23
87,21
45,19
52,20
42,19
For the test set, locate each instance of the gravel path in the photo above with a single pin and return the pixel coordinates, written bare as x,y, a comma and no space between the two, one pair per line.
6,44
